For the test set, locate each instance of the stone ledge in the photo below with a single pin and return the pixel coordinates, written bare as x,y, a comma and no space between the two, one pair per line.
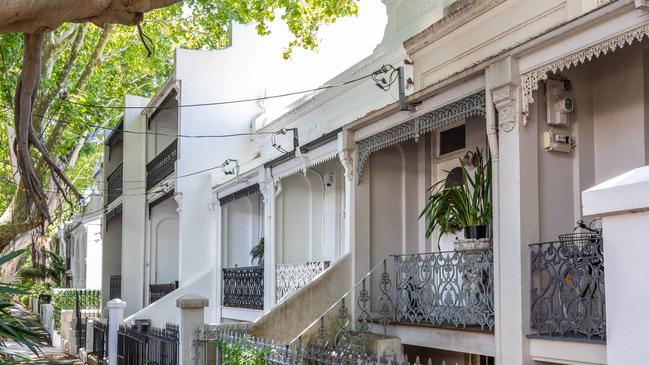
189,301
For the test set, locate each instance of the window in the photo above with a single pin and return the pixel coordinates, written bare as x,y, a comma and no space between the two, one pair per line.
452,140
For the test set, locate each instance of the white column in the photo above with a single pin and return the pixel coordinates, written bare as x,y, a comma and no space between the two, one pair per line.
623,203
115,318
517,213
267,189
192,317
215,211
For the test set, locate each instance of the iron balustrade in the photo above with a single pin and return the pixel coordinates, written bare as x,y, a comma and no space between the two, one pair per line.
446,289
291,277
151,346
162,165
243,287
115,287
115,183
157,291
100,341
567,288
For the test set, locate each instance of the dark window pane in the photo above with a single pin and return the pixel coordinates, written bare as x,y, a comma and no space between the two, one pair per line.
452,140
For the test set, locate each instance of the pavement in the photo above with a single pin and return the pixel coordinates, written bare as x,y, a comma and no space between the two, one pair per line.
49,354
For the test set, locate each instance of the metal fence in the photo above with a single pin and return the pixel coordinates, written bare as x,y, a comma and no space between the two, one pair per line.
243,287
162,165
86,305
157,291
114,183
235,346
115,287
291,277
154,346
100,340
447,289
567,288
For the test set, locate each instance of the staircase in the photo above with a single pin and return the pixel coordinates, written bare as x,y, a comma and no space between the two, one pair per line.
290,317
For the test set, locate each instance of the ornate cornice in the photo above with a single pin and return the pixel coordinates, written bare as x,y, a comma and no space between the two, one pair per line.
530,80
461,12
473,105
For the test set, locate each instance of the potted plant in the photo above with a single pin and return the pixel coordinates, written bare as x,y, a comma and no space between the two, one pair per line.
257,253
461,200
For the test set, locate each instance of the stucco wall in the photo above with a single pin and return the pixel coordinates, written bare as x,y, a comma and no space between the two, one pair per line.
308,215
610,125
165,123
111,255
242,228
164,237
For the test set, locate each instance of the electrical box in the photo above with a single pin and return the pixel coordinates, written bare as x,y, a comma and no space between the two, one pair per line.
559,104
553,142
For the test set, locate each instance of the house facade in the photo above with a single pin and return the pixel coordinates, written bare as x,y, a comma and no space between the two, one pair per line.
299,216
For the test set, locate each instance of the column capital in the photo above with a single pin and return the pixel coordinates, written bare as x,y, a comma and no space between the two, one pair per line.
116,303
192,301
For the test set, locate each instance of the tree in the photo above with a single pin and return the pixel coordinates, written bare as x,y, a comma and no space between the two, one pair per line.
62,54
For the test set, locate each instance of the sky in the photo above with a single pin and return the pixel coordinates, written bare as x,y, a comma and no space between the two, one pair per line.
341,45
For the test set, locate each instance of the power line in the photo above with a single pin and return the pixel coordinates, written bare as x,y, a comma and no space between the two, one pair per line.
384,69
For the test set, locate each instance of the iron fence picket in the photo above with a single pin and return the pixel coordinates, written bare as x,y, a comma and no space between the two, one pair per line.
155,346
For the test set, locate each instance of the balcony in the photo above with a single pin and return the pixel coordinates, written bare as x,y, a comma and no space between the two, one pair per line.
162,165
114,183
567,288
291,277
157,291
115,287
445,289
243,287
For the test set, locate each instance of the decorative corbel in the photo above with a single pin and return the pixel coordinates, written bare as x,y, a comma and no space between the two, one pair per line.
504,98
179,200
266,185
213,205
346,148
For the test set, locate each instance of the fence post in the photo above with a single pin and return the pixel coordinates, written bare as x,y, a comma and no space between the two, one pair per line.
115,318
192,316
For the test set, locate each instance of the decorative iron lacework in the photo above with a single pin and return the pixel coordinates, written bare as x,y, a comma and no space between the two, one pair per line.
115,183
247,191
470,106
243,287
567,292
530,80
291,277
162,165
446,289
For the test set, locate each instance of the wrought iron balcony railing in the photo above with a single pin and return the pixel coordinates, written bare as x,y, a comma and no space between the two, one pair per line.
115,287
567,298
243,287
451,289
448,289
157,291
114,183
291,277
162,165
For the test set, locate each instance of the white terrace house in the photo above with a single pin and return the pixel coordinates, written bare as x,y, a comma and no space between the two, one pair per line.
555,91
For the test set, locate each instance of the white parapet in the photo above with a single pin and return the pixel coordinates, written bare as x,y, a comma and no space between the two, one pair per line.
623,204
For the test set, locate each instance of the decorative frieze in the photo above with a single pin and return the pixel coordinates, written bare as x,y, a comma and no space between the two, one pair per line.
473,105
530,80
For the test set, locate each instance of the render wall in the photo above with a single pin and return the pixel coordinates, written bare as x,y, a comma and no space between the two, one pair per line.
610,125
309,215
163,127
111,257
164,247
242,228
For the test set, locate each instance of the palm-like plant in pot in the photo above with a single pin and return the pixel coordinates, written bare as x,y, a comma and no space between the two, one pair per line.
461,200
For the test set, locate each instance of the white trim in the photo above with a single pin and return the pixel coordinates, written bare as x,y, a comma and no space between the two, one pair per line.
241,314
579,47
316,156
